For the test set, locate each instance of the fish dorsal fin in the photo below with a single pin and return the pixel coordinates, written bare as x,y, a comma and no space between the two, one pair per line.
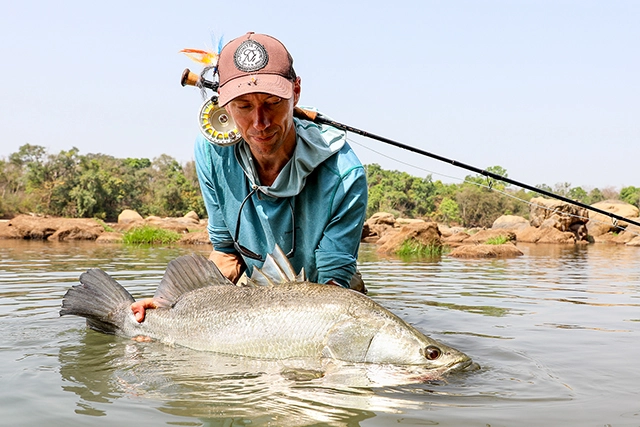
259,279
185,274
276,270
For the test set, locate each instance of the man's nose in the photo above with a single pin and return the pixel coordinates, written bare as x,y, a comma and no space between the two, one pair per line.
260,119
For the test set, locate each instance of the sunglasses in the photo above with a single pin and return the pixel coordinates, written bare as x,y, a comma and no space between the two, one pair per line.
248,252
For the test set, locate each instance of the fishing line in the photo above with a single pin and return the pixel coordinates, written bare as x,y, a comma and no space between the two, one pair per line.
491,188
318,118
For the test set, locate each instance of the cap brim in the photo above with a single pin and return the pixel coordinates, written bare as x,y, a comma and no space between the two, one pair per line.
258,83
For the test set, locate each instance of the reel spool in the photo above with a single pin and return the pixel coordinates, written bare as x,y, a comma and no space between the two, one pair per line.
214,122
216,125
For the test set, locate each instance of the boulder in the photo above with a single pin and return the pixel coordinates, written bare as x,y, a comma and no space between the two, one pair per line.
564,217
600,224
506,250
192,216
196,238
483,236
425,233
455,239
110,237
510,222
447,231
377,225
128,216
50,228
545,235
634,242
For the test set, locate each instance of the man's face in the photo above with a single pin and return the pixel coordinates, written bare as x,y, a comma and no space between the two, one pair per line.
265,121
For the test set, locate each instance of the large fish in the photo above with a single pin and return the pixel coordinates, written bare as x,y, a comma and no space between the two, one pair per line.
278,315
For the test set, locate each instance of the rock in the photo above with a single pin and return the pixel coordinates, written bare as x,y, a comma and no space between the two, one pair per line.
425,233
128,216
406,221
377,225
196,238
192,216
483,236
600,224
564,217
110,237
506,250
51,228
456,239
510,222
447,231
634,242
171,224
545,235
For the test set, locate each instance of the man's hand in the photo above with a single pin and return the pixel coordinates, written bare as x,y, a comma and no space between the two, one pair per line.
139,308
230,265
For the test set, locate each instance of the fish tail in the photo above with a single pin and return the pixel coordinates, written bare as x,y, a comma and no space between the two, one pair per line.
97,298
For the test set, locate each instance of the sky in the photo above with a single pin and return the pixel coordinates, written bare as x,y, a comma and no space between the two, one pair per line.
547,89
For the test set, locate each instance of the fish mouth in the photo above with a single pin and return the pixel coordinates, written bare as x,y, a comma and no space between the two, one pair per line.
464,366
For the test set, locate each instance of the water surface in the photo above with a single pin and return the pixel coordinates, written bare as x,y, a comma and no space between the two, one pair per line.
556,332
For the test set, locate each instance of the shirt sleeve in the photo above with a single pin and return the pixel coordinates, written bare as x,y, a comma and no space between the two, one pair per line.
218,231
337,251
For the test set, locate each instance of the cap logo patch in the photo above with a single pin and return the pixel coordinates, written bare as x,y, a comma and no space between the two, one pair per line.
250,56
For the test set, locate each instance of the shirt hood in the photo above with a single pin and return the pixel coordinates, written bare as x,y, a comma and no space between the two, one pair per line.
315,143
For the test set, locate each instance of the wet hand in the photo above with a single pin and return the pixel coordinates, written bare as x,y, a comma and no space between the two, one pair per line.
139,308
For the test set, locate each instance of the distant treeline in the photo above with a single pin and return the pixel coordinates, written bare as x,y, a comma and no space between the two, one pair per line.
69,184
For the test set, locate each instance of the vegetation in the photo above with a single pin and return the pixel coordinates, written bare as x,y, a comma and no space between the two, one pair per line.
498,240
411,247
69,184
150,236
476,202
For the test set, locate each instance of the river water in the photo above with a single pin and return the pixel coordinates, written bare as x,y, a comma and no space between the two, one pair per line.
556,333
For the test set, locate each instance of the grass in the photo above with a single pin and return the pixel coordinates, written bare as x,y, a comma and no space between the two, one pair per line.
498,240
104,225
150,236
411,247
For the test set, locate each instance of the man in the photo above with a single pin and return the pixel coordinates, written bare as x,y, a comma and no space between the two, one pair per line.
288,182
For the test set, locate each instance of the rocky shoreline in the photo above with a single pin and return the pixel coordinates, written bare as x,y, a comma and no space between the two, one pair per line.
550,222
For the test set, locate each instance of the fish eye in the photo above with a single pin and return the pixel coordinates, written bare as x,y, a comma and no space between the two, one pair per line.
432,352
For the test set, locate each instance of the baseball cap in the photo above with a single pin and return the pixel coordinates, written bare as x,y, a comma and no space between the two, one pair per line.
254,63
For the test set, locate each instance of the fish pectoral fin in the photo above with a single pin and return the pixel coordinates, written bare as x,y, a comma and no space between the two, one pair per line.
349,341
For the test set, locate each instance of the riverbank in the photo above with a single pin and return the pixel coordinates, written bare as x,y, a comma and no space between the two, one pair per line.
549,222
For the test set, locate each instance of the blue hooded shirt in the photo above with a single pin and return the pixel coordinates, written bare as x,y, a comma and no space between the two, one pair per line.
323,184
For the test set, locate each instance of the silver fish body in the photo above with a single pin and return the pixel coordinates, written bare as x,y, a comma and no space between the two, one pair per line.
202,310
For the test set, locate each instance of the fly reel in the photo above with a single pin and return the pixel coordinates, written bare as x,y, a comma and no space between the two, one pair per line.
214,122
216,125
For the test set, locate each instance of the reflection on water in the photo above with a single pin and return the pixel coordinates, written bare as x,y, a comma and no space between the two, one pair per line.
556,333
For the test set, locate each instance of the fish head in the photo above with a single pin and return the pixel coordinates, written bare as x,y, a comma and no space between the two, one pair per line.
401,344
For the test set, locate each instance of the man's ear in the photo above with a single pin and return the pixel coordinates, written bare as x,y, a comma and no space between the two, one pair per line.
296,91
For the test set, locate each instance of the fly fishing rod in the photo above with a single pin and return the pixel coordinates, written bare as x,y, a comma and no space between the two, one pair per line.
218,127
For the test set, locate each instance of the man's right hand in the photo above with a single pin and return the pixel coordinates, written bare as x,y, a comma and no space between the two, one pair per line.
139,308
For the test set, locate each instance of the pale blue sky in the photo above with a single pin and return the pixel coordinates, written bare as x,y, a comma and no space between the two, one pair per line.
549,90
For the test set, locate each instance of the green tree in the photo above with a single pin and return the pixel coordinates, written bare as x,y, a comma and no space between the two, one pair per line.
448,211
579,194
631,195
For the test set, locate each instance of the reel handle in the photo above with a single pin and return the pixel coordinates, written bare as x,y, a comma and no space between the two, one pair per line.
189,78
